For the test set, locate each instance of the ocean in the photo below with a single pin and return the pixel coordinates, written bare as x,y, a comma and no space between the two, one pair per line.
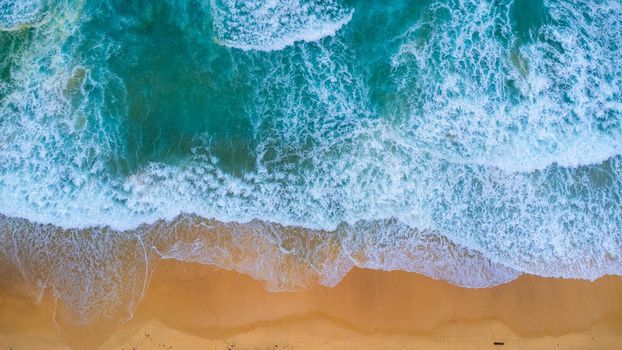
291,140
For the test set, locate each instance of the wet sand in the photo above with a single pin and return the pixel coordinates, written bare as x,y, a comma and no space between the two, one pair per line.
189,306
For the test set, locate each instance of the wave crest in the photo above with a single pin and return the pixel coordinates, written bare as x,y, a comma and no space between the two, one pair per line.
274,25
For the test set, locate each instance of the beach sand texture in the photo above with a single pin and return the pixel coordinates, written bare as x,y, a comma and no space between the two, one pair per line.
190,306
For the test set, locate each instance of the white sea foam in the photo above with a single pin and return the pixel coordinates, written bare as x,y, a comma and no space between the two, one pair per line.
276,24
478,94
19,14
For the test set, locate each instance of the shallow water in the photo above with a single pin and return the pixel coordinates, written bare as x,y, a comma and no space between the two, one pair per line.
471,141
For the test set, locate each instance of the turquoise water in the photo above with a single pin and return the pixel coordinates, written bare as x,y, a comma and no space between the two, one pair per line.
485,133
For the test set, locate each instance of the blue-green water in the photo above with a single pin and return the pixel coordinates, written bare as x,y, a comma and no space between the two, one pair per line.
490,127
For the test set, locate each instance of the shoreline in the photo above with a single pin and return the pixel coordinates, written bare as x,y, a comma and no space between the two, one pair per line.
191,306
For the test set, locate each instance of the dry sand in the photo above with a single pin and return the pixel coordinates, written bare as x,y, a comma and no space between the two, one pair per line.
188,306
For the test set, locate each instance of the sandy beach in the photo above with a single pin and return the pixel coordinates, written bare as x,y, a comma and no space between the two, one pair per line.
189,306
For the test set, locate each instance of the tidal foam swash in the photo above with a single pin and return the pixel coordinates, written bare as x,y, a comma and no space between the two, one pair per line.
470,141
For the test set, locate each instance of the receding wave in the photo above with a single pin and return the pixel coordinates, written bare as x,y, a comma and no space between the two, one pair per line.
99,274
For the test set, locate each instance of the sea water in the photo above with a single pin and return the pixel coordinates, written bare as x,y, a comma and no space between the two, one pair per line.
468,140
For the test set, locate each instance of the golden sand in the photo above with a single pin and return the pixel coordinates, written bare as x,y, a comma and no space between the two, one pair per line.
189,306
